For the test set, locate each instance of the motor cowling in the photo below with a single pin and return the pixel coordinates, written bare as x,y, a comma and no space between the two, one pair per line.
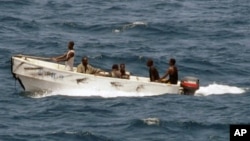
190,85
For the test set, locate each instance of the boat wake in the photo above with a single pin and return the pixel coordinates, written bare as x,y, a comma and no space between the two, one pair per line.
218,89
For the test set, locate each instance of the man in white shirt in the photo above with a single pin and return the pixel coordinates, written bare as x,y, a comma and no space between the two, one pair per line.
68,57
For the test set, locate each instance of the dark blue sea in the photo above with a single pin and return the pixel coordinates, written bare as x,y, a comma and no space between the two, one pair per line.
210,40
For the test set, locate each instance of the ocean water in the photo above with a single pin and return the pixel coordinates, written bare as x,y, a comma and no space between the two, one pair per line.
208,38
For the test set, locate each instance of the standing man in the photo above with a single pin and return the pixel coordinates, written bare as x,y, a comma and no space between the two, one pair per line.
153,73
172,72
68,57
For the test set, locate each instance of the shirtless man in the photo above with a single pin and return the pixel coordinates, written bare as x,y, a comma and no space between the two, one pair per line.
172,72
123,72
153,73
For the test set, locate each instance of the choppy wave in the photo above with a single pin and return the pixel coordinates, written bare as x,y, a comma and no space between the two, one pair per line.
130,26
153,121
65,135
78,135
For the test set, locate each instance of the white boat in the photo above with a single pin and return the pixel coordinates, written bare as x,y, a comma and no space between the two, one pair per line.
35,74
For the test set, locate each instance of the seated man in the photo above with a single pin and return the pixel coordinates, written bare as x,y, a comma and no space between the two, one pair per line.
172,73
84,67
153,72
123,72
115,71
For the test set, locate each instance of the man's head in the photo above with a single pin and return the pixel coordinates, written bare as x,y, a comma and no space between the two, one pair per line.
115,67
122,66
172,61
85,61
71,45
150,63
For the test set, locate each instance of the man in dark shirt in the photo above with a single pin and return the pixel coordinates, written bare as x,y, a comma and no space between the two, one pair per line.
172,72
153,73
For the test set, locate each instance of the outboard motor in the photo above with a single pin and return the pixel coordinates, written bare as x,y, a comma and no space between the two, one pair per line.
190,85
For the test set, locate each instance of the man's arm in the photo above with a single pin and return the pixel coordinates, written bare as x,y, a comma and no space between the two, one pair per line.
165,75
169,71
59,58
64,57
94,70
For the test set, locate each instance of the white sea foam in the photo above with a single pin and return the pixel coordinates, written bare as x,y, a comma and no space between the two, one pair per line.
151,121
139,23
218,89
130,25
117,30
